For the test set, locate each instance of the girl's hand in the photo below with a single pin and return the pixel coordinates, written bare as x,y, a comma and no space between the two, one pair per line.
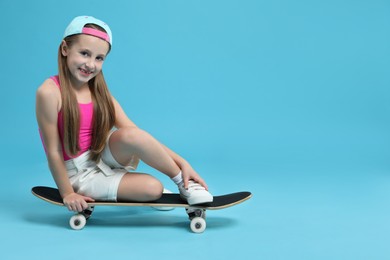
76,202
189,173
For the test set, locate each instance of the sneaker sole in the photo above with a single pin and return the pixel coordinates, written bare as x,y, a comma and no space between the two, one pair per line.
198,200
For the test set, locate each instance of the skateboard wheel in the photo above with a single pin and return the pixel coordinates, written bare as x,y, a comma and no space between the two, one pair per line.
77,221
198,225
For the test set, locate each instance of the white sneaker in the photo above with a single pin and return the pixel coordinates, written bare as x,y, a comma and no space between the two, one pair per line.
195,194
165,208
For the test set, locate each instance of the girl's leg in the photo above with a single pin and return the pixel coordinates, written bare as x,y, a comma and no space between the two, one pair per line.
139,187
129,141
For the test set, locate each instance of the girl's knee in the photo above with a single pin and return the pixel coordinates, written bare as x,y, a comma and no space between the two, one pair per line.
139,187
153,189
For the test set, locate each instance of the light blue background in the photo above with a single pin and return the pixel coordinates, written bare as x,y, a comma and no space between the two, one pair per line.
287,99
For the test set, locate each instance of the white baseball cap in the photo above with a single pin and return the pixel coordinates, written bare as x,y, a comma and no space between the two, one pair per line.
76,26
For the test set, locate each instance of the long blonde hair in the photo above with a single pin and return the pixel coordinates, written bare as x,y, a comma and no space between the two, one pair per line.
103,107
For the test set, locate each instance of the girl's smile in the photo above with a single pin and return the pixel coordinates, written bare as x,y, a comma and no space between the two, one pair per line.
85,73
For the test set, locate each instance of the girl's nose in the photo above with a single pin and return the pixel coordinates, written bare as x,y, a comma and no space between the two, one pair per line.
90,64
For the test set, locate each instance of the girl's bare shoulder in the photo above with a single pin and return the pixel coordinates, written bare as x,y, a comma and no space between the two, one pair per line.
48,87
49,92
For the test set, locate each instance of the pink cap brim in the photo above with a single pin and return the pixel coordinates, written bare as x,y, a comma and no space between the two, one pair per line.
97,33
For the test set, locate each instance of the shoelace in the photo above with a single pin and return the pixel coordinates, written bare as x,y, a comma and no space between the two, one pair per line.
194,186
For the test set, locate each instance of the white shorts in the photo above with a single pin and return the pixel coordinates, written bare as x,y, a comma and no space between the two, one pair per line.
99,181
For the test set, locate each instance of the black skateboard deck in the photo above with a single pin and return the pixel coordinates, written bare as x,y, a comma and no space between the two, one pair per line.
196,213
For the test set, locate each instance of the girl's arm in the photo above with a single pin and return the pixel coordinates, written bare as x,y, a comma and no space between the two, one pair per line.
121,119
48,103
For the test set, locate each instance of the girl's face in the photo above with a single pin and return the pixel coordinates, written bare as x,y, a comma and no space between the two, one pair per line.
85,58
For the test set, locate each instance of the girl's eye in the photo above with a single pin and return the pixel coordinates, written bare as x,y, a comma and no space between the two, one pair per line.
84,53
100,58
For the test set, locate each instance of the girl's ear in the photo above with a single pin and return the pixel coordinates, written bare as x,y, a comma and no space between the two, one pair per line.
64,49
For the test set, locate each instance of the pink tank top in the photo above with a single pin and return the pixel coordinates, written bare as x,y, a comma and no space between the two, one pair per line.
86,117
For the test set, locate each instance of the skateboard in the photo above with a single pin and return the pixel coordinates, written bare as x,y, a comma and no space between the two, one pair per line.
196,213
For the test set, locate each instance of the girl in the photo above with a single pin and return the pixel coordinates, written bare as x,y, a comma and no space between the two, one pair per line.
90,142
